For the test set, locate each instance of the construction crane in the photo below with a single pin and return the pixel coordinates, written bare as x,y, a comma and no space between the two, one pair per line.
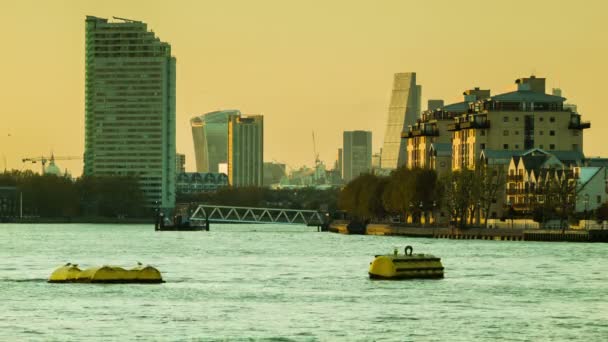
43,160
314,147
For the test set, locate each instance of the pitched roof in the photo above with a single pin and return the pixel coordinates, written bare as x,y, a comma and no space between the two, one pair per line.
532,162
587,173
569,157
527,96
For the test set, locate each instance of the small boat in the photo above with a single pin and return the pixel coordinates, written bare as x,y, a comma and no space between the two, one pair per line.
140,274
178,224
405,266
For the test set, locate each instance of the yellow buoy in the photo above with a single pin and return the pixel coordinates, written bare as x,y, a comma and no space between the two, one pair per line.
405,266
106,274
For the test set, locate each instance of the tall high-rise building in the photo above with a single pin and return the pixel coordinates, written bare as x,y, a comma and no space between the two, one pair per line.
357,154
210,135
403,111
246,150
130,106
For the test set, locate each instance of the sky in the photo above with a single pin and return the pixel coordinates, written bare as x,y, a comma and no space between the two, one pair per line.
322,66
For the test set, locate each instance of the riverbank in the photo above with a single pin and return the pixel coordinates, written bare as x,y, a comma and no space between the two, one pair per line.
497,234
100,220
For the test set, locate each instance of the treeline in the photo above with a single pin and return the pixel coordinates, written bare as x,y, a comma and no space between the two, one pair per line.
418,193
304,198
463,197
52,196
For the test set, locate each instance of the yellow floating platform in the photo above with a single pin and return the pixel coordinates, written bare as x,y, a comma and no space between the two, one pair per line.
70,273
405,266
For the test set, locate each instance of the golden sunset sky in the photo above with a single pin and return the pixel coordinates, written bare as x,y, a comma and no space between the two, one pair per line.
308,65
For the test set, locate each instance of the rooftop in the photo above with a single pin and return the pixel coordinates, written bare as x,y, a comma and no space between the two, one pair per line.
527,96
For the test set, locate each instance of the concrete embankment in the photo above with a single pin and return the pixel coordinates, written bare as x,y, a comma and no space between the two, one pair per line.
477,233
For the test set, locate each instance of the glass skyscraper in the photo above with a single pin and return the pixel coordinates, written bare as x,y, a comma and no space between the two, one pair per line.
130,106
403,111
210,135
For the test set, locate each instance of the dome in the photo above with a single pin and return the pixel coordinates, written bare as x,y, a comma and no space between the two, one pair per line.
52,169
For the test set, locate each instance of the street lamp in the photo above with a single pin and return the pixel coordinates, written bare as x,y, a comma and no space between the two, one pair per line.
433,213
478,213
411,212
511,210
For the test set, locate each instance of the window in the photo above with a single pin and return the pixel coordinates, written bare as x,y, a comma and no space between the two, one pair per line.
516,132
541,146
483,146
517,118
505,119
552,133
552,146
505,146
552,119
541,132
574,147
483,132
505,133
599,199
541,119
516,146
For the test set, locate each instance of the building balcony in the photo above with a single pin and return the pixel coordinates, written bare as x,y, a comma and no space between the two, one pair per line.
515,178
516,192
475,124
454,127
421,132
579,125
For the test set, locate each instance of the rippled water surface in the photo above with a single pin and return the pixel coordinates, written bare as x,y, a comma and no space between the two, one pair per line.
240,282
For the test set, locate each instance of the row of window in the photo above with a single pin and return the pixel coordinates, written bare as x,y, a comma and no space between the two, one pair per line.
575,147
540,119
506,133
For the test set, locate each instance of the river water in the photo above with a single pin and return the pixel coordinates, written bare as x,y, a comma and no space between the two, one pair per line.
241,282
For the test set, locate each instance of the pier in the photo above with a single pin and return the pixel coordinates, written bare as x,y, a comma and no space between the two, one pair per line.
232,214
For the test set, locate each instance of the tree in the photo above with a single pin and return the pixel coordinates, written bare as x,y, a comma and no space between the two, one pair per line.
398,193
459,189
489,182
560,194
602,213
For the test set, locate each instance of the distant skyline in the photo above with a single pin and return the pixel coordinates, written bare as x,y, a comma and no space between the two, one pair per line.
315,65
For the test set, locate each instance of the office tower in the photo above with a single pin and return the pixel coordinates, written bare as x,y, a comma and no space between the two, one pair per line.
210,135
246,150
130,107
274,173
357,152
180,163
404,110
434,104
